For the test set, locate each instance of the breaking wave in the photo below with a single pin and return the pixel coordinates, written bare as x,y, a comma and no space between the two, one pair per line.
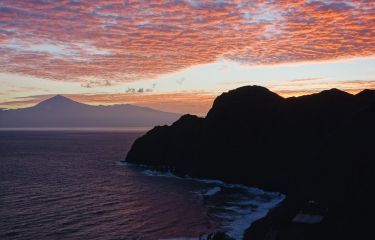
236,206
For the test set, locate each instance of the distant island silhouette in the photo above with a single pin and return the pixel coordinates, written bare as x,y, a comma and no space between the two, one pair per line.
316,148
60,111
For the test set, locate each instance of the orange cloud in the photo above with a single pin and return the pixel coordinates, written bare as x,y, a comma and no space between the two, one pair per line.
131,40
198,102
303,88
180,102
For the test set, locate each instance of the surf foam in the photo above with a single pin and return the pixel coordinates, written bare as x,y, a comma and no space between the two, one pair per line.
236,215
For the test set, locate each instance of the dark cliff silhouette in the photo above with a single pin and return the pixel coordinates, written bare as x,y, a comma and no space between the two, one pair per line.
319,147
60,111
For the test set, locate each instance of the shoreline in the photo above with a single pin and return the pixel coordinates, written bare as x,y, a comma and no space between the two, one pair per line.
276,219
158,172
278,223
281,223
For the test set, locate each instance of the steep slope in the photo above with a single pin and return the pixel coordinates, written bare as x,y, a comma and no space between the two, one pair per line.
317,147
253,129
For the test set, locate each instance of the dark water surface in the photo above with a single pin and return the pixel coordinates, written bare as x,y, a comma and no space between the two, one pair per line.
71,185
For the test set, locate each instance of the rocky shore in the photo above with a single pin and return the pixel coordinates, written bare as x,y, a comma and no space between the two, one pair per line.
314,148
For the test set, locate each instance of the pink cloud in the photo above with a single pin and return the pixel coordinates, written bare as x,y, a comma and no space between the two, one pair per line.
132,40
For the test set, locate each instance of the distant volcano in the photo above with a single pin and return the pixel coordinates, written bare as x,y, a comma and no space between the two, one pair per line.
60,111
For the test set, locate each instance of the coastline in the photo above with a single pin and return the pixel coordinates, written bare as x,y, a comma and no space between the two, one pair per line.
272,224
315,148
276,224
281,224
264,216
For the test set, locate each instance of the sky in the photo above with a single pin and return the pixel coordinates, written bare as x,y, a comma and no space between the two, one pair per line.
179,55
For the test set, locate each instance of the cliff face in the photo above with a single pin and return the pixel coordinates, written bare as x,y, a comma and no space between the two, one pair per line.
316,147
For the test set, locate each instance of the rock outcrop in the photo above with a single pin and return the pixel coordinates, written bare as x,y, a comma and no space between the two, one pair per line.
319,146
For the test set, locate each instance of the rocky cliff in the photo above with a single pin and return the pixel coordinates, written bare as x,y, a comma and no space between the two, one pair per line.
318,146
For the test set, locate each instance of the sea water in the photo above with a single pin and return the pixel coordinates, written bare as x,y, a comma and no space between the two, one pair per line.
73,185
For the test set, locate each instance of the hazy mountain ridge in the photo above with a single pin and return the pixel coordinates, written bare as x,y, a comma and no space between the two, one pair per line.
60,111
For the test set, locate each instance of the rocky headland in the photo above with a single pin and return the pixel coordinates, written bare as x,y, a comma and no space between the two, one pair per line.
317,147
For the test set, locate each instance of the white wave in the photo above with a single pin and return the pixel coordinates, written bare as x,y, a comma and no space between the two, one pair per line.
128,164
153,173
243,218
244,212
208,181
203,180
212,191
122,163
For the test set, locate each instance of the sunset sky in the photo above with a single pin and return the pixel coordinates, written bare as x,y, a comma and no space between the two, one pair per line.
178,55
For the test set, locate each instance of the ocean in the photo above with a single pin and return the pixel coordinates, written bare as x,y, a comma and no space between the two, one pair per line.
73,184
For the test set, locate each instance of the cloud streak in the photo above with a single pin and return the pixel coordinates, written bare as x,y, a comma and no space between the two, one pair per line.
195,102
124,41
180,102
